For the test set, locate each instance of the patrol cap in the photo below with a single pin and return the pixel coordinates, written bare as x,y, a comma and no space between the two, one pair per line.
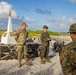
23,23
72,28
45,27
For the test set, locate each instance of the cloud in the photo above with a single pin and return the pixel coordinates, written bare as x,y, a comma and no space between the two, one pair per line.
41,11
4,10
71,20
29,20
64,17
16,20
73,1
24,8
62,24
47,6
59,21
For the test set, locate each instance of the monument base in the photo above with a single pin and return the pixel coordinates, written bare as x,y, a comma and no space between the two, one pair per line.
8,38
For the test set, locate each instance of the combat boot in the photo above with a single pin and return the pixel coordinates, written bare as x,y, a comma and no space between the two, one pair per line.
19,64
47,60
42,61
27,63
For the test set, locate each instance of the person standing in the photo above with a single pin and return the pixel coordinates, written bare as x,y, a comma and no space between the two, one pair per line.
45,38
20,37
68,54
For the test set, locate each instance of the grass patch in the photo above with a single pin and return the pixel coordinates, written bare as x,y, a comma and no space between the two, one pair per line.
38,32
1,32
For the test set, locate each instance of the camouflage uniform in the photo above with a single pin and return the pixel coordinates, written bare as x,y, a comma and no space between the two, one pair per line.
20,37
44,44
68,56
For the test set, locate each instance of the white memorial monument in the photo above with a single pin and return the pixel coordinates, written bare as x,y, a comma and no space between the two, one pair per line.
8,36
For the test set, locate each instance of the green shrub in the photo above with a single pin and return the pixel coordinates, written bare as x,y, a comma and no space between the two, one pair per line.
1,32
37,33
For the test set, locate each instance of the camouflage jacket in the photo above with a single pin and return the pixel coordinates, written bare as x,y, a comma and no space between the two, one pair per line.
68,58
44,40
21,36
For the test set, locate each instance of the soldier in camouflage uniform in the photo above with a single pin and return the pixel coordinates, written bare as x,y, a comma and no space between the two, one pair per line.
68,54
45,38
20,37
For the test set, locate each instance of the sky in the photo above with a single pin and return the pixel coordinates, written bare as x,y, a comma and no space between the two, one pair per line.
58,15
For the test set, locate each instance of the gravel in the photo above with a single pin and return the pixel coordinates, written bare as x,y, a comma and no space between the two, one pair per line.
9,67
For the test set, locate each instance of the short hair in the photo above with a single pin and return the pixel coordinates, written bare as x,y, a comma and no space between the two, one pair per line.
72,32
45,27
23,23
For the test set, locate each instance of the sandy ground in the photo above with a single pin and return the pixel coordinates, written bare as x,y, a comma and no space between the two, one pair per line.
9,67
66,39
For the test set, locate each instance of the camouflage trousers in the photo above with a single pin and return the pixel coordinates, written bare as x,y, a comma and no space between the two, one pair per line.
44,52
70,71
22,50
